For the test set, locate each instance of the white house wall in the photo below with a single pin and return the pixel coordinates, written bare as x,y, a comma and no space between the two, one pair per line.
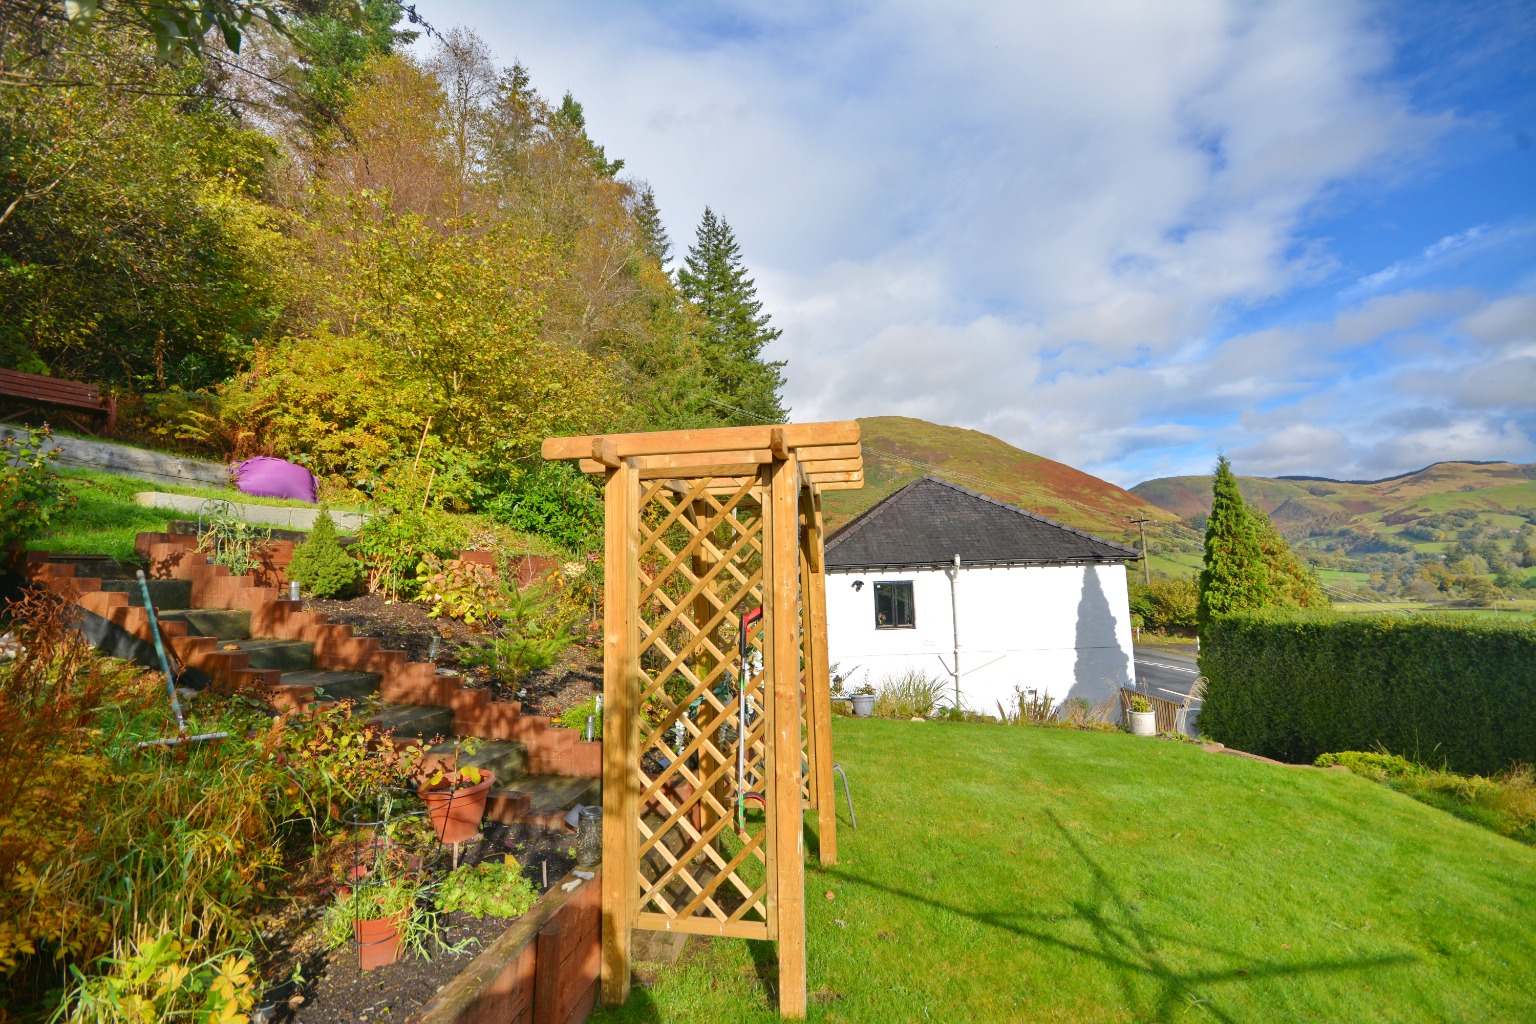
1064,630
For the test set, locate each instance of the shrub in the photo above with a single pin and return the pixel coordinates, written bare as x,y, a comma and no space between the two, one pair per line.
31,493
553,501
459,588
1293,685
1371,764
493,888
910,694
321,565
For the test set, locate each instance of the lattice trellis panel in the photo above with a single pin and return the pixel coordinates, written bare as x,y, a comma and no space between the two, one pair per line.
700,569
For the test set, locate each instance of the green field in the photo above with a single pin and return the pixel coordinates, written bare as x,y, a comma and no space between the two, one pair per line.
1014,874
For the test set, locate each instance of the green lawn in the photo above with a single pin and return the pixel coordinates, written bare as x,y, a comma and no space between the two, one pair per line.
1015,874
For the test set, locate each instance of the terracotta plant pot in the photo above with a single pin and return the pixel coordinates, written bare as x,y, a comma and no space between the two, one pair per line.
378,941
456,813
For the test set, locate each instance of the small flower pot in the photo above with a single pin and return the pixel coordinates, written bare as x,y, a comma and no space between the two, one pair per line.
378,941
456,813
1143,723
863,704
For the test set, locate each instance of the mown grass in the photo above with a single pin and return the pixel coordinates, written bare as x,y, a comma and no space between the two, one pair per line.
1050,875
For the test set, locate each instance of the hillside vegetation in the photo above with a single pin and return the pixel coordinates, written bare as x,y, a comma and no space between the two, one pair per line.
1456,530
899,449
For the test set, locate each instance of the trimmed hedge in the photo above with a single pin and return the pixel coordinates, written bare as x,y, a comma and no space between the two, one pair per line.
1433,688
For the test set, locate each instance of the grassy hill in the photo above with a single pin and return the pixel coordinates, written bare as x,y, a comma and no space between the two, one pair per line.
1469,514
898,450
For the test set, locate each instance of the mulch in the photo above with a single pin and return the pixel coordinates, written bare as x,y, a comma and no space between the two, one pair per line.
405,625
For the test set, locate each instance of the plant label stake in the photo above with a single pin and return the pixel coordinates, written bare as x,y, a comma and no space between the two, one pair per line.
741,731
170,682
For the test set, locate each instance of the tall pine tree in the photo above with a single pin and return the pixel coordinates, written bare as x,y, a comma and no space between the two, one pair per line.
653,234
1235,576
714,279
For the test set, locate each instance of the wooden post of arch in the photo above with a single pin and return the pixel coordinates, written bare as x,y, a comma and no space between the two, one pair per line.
701,526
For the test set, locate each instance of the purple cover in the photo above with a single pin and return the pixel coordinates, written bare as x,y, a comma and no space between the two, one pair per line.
266,477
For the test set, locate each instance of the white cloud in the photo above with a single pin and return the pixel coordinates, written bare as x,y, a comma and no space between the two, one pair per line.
1038,219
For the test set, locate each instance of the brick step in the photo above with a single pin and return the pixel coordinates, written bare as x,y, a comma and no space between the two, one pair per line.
334,685
287,655
421,721
222,623
167,594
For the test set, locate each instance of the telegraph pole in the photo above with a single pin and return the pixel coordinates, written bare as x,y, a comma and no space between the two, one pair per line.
1146,566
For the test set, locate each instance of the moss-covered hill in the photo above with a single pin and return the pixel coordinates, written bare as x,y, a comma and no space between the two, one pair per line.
898,450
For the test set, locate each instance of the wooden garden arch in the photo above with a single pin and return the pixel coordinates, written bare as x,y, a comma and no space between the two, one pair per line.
702,526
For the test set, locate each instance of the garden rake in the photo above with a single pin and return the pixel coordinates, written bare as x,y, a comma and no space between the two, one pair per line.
181,736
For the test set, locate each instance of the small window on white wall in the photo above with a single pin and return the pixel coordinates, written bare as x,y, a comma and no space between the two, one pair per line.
893,605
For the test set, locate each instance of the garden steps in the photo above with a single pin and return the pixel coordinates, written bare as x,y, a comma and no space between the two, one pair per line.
167,594
240,630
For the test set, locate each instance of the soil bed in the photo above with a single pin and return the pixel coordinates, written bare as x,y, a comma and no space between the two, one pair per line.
405,625
332,990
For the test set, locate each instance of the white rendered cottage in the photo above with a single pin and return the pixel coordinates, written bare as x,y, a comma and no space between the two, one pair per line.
936,574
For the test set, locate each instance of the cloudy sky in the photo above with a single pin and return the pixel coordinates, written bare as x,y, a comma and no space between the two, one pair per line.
1122,235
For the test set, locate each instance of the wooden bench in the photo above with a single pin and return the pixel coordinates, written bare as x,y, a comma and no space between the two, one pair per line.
34,389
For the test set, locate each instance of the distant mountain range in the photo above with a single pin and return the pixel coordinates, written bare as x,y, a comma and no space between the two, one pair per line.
898,450
1309,506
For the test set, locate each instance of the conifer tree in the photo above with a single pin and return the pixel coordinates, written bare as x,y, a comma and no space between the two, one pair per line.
714,279
320,564
653,234
1235,576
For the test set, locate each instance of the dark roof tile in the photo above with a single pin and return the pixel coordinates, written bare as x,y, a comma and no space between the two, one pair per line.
929,521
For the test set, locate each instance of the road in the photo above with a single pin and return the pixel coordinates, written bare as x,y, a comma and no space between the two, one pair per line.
1157,671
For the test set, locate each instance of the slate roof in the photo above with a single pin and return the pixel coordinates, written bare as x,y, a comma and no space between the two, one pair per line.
929,521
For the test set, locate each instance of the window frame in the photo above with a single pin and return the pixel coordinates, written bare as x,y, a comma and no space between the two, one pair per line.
895,599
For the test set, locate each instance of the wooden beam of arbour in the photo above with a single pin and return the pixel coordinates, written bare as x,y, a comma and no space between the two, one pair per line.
786,835
715,439
819,690
621,504
831,458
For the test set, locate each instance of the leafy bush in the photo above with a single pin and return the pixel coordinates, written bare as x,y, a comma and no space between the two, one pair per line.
493,888
910,694
1293,685
229,540
320,564
554,501
394,543
459,588
155,982
31,493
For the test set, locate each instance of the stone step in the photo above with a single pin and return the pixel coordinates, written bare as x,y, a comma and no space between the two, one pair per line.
335,685
416,720
170,595
507,759
223,623
549,793
288,655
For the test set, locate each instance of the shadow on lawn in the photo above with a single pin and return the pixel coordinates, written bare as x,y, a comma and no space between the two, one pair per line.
1129,947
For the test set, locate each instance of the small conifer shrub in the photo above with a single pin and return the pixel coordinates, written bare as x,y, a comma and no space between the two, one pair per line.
321,565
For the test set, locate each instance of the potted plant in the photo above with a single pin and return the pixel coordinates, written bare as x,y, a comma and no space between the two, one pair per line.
377,917
456,796
1143,719
864,701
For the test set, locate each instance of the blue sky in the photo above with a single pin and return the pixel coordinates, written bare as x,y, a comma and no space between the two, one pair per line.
1122,235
